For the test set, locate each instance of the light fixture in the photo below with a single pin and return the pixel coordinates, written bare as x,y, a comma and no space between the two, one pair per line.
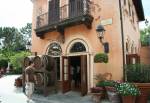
28,45
100,31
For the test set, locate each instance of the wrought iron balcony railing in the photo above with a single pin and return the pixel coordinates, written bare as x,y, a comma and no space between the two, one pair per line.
42,20
65,14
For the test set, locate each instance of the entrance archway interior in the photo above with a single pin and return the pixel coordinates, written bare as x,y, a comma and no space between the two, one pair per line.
75,63
57,59
75,71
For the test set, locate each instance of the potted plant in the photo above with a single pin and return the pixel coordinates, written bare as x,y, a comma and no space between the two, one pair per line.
102,81
128,92
108,84
97,93
139,75
99,78
112,94
101,58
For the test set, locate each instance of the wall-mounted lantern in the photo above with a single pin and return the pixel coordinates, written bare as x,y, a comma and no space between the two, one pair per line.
100,32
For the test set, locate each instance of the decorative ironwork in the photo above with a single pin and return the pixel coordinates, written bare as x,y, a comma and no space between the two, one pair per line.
75,8
54,49
78,47
42,20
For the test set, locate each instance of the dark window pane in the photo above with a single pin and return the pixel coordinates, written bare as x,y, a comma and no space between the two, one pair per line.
78,47
54,49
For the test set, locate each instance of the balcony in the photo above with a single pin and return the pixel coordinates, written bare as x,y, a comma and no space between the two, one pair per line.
68,15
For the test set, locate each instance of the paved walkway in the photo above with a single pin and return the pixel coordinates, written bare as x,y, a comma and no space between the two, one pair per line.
10,94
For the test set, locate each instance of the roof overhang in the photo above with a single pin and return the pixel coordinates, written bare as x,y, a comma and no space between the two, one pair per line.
139,9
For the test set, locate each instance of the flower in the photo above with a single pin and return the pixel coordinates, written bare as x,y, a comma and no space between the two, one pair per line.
126,89
97,89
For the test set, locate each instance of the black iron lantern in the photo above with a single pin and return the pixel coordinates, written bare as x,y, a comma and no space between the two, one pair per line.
100,31
28,45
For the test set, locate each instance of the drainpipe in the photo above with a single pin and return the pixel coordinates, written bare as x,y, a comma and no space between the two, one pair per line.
122,36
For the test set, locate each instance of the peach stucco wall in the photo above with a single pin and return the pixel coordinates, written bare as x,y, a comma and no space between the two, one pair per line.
131,28
105,9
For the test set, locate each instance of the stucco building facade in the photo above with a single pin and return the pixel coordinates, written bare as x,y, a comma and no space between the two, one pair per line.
70,25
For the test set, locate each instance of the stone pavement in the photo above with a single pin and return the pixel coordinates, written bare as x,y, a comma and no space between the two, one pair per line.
70,97
10,94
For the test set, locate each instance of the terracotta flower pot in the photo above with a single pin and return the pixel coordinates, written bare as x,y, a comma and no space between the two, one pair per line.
145,89
98,91
96,97
128,99
113,96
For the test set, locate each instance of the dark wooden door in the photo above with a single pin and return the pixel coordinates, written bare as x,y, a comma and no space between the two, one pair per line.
83,75
54,11
65,75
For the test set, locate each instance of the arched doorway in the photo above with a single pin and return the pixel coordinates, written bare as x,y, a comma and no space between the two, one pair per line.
54,49
74,68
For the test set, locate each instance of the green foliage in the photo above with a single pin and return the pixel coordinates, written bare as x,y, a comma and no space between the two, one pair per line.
13,42
127,89
3,63
101,58
145,36
6,54
26,32
109,83
13,39
138,73
17,60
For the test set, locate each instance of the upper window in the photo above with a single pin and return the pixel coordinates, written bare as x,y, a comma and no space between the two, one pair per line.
78,47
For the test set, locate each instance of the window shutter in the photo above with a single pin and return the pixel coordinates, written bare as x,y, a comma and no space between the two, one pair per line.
53,11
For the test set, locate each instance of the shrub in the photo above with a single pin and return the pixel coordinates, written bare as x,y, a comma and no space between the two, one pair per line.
110,83
101,58
137,73
17,60
3,63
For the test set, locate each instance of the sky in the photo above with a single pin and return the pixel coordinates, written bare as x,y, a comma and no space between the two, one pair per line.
19,12
15,13
146,6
